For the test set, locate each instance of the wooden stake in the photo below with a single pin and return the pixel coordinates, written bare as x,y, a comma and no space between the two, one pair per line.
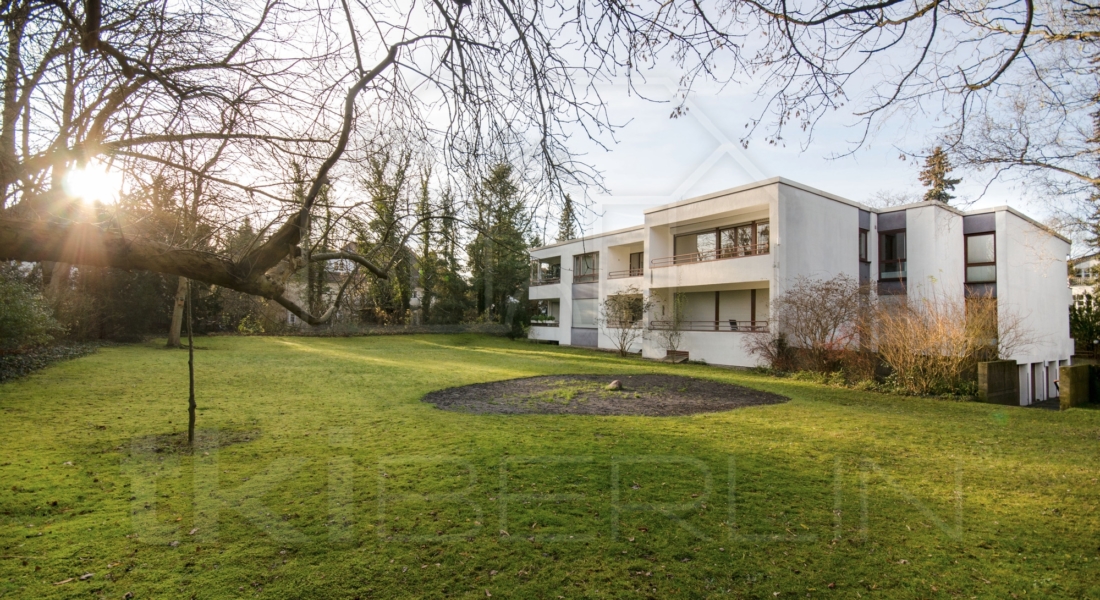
190,373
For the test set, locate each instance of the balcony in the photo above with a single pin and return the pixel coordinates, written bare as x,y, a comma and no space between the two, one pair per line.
588,277
545,280
727,325
1088,280
712,255
627,273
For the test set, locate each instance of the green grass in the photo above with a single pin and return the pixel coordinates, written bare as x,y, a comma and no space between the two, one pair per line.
335,481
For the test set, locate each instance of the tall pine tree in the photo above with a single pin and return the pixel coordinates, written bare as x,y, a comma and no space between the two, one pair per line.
567,223
934,176
497,255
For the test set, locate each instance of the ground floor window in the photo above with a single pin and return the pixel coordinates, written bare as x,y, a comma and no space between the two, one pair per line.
585,311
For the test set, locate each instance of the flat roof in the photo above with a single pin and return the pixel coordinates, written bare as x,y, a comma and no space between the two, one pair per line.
589,237
815,191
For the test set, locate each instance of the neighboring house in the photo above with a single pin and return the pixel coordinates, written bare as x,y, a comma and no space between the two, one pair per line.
731,251
296,292
1083,276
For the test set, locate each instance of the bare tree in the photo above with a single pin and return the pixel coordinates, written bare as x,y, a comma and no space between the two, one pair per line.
820,318
621,316
669,325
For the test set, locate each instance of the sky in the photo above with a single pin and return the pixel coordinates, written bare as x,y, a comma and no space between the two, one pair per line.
658,159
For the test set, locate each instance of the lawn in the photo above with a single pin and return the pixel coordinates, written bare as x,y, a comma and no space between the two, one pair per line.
321,474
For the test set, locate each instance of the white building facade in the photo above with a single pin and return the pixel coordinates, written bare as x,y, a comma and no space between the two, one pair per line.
729,252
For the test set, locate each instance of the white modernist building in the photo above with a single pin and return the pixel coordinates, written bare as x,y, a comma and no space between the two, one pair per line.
729,252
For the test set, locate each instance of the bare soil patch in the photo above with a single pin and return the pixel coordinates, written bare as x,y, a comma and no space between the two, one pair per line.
643,395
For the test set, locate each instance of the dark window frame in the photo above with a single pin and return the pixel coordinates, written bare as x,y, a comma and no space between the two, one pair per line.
865,246
882,261
966,257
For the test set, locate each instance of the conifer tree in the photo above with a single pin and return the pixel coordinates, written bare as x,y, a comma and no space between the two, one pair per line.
934,176
568,221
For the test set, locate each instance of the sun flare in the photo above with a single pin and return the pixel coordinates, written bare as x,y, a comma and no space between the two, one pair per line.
93,183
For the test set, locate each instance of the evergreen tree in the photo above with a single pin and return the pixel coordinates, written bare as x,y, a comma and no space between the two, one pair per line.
426,262
497,255
567,222
450,290
1092,227
934,176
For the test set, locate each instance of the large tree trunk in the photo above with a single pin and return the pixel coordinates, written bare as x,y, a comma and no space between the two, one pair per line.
177,314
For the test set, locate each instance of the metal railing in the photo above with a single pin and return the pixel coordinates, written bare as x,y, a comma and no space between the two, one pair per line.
727,325
587,277
627,273
1092,280
709,255
545,280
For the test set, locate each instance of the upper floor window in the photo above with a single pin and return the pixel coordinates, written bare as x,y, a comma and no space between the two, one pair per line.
586,267
981,258
637,262
724,242
863,255
891,255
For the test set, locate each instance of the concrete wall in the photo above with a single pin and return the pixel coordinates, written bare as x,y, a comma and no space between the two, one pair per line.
814,236
998,382
934,253
1075,383
1031,284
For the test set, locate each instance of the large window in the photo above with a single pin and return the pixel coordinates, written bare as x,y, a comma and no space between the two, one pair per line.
637,263
981,258
585,312
725,242
891,255
586,267
703,243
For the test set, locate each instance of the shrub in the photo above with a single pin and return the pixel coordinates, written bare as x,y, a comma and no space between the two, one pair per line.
932,343
814,325
25,318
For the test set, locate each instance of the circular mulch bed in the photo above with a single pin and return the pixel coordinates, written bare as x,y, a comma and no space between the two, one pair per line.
646,395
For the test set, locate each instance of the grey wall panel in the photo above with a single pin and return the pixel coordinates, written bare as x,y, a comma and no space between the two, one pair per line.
588,338
864,220
891,221
983,223
586,290
981,290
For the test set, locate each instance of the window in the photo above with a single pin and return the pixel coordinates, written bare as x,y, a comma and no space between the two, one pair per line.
584,312
696,242
891,253
763,233
728,242
637,260
863,255
737,241
981,258
586,267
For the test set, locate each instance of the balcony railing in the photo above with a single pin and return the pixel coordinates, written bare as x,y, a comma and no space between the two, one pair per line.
709,255
545,280
1083,280
587,277
627,273
544,323
727,325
